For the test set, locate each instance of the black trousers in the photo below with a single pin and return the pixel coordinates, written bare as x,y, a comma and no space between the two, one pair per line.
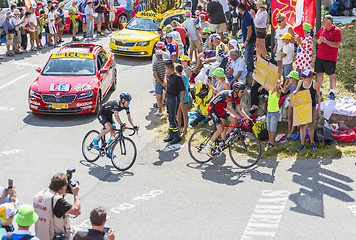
24,41
106,15
172,105
194,6
255,93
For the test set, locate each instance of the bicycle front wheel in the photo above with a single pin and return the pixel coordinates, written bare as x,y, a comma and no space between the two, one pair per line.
90,153
197,143
123,154
245,150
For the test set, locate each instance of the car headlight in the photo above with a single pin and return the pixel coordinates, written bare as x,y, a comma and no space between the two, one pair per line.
34,94
143,44
88,94
112,40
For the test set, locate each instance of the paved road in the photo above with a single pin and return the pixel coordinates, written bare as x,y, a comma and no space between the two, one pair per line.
166,195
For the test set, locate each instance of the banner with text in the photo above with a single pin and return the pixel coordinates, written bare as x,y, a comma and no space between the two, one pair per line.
302,107
266,73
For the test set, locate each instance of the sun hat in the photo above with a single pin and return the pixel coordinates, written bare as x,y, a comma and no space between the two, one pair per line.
60,4
261,3
159,52
7,210
169,35
286,36
206,30
307,73
188,13
293,74
184,58
26,215
306,27
160,45
219,72
16,11
39,4
234,43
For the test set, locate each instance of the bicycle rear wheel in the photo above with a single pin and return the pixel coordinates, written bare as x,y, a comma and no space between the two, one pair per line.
196,144
123,154
90,153
245,150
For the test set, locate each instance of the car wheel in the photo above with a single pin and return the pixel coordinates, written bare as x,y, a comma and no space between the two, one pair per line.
120,20
114,83
98,104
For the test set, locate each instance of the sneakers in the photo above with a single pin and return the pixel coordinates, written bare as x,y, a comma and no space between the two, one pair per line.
34,49
96,143
158,114
75,39
100,33
313,146
331,96
301,147
107,31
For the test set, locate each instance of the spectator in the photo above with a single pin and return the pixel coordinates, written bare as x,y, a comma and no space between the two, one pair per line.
16,21
176,37
46,9
217,17
129,9
49,5
161,35
165,54
53,209
238,71
84,18
13,7
205,35
232,44
290,87
24,28
305,50
89,13
194,42
98,220
9,28
42,22
314,89
52,27
185,72
221,84
183,34
106,17
7,214
111,15
233,24
175,86
329,39
61,22
261,25
99,6
201,12
226,8
249,4
283,27
273,114
73,14
194,6
24,218
172,47
248,35
287,54
8,195
159,73
203,23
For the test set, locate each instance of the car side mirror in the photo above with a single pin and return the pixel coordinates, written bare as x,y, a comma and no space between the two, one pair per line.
103,70
38,69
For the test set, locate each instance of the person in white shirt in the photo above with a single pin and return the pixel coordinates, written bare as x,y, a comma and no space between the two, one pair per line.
287,54
51,25
238,71
260,20
89,13
33,30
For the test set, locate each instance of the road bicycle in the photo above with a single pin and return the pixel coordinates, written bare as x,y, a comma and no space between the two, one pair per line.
244,147
122,150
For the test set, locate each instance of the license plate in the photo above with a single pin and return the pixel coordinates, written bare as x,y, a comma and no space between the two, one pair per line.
123,49
62,106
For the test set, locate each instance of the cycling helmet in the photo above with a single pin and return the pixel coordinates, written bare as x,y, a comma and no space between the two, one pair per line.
238,86
126,96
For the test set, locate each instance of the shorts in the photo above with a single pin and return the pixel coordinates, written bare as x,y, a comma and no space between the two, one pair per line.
40,36
221,27
100,18
312,124
261,32
52,29
325,66
286,70
272,121
105,117
17,37
46,29
278,56
10,41
84,19
216,115
112,17
33,35
196,44
159,89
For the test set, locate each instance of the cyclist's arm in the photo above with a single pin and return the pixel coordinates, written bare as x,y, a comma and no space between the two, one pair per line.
117,117
130,119
232,110
242,112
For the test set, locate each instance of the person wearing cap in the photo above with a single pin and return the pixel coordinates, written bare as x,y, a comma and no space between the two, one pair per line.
24,27
328,39
283,27
217,17
314,88
287,55
185,73
159,73
260,20
290,87
183,35
175,86
172,47
165,54
99,7
73,14
221,84
10,31
205,35
176,36
17,24
305,50
195,45
89,13
24,218
61,21
7,214
160,32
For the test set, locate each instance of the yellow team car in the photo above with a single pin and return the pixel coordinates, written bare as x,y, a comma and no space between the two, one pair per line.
139,36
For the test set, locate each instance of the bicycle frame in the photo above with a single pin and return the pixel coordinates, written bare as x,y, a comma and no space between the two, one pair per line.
119,137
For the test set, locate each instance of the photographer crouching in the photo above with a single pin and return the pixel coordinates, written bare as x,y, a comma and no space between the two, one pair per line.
53,209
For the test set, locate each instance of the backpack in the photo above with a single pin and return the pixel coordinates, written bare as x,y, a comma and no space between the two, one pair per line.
347,136
323,134
27,237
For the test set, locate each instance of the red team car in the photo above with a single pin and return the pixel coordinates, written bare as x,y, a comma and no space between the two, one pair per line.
73,81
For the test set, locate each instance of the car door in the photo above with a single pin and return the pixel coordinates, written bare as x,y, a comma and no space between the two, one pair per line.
105,65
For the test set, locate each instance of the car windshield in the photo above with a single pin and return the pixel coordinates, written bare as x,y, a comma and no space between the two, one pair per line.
143,24
70,67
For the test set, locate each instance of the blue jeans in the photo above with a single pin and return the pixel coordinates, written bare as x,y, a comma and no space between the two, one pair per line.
272,121
249,56
90,27
286,69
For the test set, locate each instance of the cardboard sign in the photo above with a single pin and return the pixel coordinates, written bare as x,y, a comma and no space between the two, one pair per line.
302,107
266,73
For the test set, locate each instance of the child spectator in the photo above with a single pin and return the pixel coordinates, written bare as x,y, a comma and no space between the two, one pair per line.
290,87
305,50
287,54
185,73
314,89
201,12
7,213
273,114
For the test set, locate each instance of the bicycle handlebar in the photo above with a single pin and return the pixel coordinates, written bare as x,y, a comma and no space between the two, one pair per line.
126,128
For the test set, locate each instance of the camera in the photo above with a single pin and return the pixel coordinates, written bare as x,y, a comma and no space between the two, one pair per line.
60,236
70,181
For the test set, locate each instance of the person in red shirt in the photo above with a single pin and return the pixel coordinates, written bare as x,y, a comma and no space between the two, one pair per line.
328,39
183,34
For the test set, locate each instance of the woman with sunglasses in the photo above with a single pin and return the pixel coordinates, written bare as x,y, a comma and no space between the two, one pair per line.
283,27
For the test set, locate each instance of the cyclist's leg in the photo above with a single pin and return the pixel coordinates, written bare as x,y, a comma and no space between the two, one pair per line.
218,123
233,120
106,121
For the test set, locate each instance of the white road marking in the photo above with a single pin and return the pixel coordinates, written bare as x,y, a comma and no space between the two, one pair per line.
7,108
353,209
15,80
15,151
